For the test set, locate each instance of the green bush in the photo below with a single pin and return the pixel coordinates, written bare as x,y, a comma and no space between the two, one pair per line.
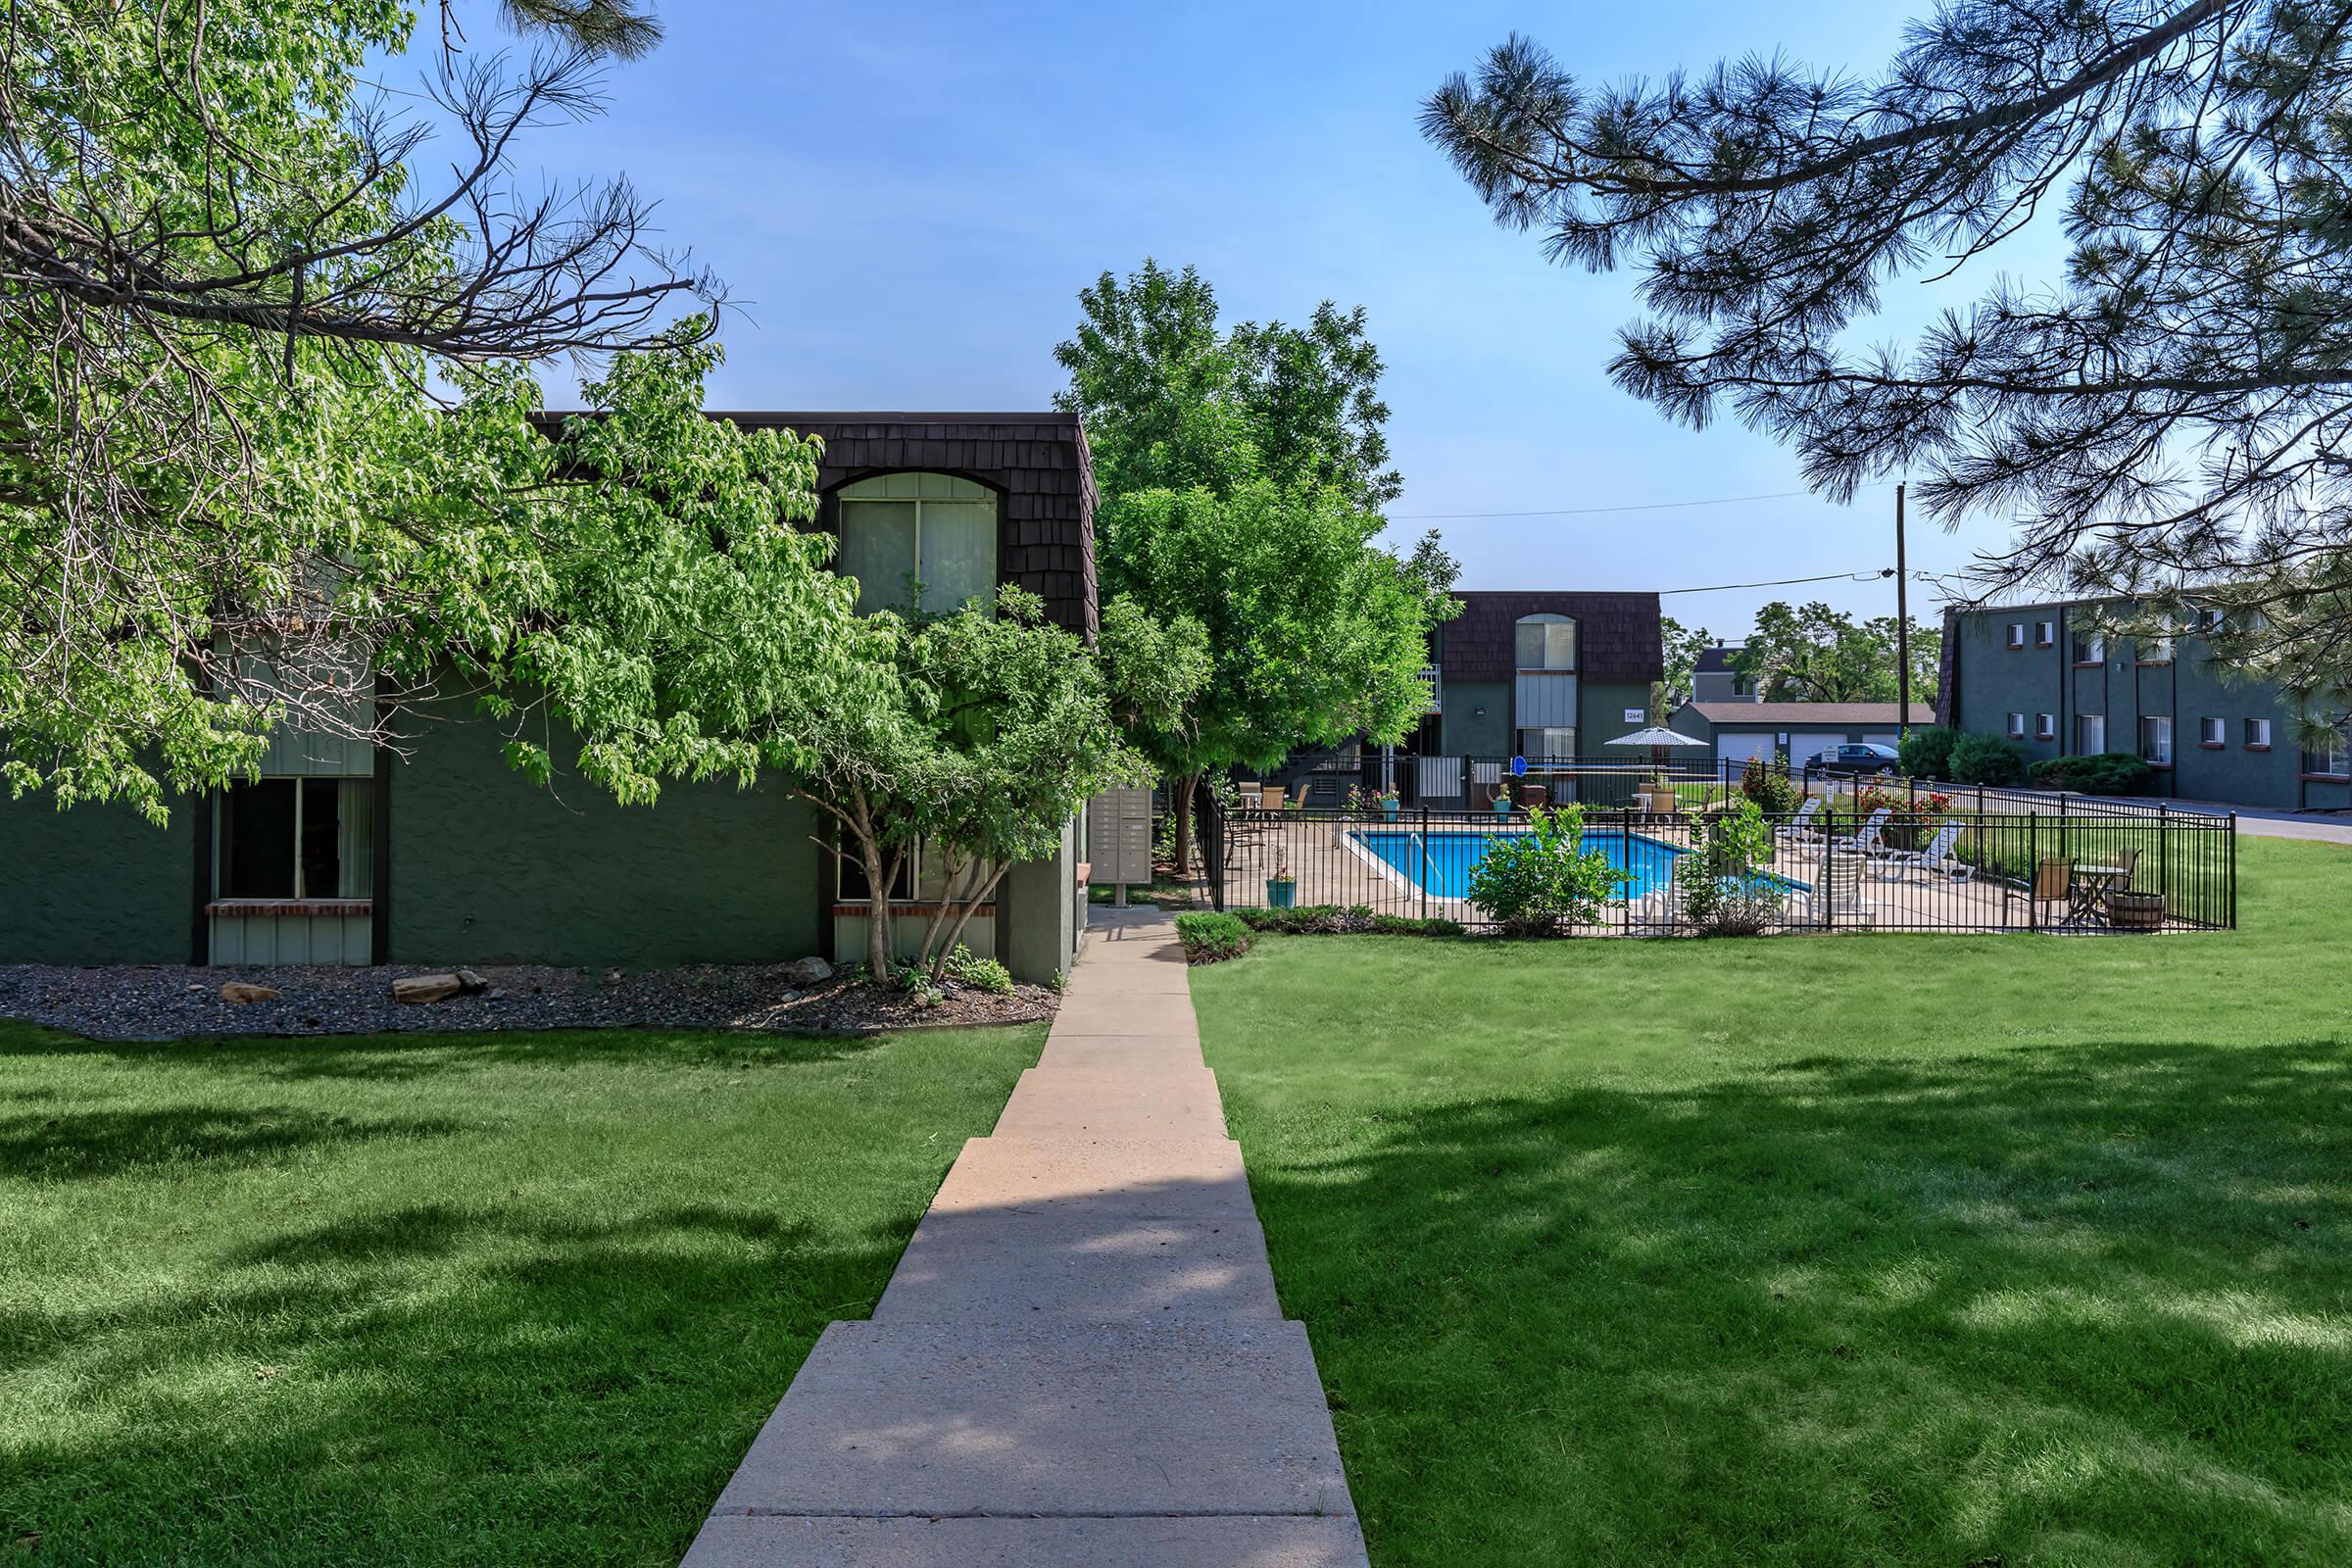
1209,938
1927,752
981,974
1981,759
1768,784
2107,774
1543,882
1722,890
1333,920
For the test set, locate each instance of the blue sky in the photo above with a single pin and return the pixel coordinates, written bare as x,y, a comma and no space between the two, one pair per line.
907,198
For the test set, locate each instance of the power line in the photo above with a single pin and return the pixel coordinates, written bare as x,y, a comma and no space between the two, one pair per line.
1594,511
1787,582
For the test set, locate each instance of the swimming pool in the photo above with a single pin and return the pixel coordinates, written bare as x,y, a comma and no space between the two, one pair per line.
1440,863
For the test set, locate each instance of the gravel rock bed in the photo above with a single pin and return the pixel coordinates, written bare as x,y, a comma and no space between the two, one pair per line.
171,1002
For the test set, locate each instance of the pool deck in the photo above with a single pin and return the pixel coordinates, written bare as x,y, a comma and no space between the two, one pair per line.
1333,867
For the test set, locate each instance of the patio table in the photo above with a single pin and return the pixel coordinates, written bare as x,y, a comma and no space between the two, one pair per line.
2087,902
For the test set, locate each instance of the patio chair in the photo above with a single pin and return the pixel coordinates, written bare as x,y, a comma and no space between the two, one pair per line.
1865,842
1938,858
2054,883
1801,826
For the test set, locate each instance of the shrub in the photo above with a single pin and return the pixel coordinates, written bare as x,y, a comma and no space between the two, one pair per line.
1543,882
1981,759
1723,892
1927,752
1332,919
1769,785
1209,938
2107,774
981,974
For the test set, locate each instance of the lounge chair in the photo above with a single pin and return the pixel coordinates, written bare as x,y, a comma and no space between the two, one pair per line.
1801,826
1938,858
1865,842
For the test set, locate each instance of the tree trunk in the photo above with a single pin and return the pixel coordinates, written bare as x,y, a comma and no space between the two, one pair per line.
980,896
1180,802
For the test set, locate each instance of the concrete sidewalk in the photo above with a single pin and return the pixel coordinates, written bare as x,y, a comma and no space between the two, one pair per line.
1080,1359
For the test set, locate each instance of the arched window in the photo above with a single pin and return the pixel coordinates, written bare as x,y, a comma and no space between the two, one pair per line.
900,530
1547,642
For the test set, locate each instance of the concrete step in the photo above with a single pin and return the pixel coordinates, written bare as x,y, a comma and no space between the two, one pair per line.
1114,1100
1128,1015
1074,1264
1144,1051
1132,1177
1257,1542
926,1419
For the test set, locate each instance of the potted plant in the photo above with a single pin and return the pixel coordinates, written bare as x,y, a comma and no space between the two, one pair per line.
1389,803
1502,797
1282,888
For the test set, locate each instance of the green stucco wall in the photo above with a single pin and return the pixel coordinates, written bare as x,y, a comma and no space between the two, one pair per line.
487,866
1471,733
1605,705
98,884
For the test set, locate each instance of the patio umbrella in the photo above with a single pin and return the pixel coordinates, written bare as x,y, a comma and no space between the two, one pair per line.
1658,738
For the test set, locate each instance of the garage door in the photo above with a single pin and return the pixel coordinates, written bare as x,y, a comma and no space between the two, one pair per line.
1803,744
1736,750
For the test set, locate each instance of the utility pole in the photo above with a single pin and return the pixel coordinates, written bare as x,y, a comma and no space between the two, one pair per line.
1902,626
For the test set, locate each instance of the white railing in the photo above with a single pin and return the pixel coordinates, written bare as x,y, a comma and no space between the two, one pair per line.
1434,681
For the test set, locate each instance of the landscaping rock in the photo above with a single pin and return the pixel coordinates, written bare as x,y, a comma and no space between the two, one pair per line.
473,983
421,988
809,971
238,994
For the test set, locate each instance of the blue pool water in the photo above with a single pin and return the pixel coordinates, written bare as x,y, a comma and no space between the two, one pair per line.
1441,863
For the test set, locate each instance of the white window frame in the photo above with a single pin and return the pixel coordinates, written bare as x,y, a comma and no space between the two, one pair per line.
2017,726
2090,650
2258,735
2017,635
2045,634
2333,763
2213,731
2099,719
2156,744
2046,726
301,892
2157,650
1548,618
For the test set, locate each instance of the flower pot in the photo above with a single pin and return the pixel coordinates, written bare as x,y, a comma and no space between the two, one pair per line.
1503,805
2136,911
1387,808
1282,893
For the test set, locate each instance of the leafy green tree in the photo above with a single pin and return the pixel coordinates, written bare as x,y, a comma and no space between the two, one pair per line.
231,295
1684,644
977,736
2166,417
1312,635
1170,402
1242,473
1813,654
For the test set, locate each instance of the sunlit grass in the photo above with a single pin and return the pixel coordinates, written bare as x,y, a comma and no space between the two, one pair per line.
1870,1250
496,1299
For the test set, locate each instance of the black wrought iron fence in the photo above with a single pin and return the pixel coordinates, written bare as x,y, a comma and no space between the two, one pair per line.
1833,864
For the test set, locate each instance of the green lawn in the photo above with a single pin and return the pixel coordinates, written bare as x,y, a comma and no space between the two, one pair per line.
1969,1252
488,1300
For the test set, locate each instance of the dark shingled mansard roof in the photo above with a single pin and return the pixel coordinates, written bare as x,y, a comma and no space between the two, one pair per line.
1618,636
1036,463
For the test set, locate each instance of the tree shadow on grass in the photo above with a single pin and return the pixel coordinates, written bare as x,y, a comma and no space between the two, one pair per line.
2079,1303
77,1145
436,1382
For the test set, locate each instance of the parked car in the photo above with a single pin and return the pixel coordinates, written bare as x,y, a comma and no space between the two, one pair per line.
1855,760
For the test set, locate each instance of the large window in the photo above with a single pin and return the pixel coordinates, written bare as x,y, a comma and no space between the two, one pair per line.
2091,734
2333,763
2091,648
919,541
1551,741
2156,741
297,838
1547,642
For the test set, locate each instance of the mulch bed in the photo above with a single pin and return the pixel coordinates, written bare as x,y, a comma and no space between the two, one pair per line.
169,1001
